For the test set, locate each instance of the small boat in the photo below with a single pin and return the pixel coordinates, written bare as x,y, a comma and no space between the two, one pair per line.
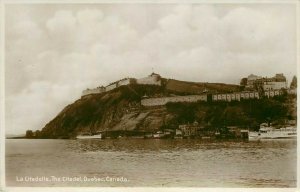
89,136
217,133
137,137
269,132
148,136
158,135
178,137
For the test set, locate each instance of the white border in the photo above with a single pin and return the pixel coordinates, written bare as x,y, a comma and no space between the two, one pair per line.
148,1
2,100
147,189
298,97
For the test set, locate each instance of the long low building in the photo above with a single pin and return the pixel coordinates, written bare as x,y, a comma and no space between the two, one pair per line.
235,96
273,93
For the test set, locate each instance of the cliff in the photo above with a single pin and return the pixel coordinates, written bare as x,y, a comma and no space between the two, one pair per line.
120,110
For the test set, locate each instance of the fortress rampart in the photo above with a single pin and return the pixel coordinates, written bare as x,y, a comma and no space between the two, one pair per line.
237,96
165,100
152,79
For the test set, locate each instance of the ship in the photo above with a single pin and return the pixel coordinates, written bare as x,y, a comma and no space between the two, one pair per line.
270,132
158,135
89,136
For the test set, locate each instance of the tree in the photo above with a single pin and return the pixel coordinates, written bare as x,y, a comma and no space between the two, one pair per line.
38,133
294,83
243,82
29,134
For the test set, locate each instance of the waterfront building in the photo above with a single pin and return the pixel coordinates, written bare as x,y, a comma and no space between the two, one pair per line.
189,130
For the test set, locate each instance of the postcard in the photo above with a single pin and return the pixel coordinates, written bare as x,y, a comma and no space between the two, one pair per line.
135,95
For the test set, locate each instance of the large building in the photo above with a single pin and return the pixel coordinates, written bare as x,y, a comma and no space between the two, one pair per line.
274,85
152,79
251,79
266,83
189,130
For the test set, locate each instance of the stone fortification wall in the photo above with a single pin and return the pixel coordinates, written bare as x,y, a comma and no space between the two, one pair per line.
111,86
126,81
273,93
235,96
93,91
165,100
153,79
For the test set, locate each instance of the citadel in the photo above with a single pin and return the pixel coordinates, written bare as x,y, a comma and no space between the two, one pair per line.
254,87
152,79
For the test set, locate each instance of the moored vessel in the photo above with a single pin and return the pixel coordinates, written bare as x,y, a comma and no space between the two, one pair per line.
89,136
158,135
270,132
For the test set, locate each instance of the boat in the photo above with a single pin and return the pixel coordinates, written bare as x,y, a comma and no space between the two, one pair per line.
148,136
270,132
178,134
158,135
89,136
137,137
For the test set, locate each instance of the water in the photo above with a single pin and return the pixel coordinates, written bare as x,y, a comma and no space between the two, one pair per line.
153,163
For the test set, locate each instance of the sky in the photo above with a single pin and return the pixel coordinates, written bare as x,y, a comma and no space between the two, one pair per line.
54,51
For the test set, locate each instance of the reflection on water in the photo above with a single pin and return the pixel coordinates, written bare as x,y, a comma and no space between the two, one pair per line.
178,163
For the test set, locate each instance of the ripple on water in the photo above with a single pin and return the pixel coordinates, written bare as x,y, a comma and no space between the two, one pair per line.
178,163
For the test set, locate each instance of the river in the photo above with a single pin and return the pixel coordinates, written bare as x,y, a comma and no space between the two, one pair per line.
150,163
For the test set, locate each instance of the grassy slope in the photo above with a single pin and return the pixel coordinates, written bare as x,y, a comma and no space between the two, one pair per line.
197,88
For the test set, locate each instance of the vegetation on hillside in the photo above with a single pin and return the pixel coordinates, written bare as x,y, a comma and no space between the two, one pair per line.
108,111
246,113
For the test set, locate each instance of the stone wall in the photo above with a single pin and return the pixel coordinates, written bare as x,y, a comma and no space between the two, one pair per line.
111,87
93,91
165,100
272,93
153,79
235,96
126,81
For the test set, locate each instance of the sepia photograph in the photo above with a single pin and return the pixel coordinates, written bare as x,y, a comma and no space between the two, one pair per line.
148,94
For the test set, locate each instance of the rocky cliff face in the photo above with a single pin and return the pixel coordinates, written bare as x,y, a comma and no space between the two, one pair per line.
120,110
117,110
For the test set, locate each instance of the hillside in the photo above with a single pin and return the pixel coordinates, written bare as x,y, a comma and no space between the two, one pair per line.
120,110
198,88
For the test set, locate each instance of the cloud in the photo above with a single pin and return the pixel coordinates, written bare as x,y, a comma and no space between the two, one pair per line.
51,57
62,22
